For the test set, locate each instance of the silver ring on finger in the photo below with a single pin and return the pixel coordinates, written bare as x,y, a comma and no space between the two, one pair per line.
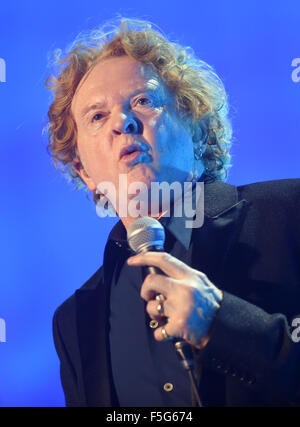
160,297
160,308
164,334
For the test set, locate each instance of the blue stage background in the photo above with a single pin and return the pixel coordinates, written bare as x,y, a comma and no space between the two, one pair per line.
52,241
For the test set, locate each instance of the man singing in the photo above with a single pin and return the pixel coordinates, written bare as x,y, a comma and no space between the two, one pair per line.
130,103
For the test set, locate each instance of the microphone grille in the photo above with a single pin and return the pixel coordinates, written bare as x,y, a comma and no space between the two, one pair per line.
144,233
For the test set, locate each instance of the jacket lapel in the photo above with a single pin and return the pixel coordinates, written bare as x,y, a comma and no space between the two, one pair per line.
211,244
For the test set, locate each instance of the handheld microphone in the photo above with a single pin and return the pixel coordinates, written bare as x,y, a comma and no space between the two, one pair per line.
144,235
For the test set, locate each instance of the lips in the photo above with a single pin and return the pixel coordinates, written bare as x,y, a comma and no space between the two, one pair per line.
132,148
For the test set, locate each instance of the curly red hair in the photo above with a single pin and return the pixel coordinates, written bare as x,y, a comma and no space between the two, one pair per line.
199,93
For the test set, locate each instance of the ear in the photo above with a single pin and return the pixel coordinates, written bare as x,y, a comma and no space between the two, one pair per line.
79,168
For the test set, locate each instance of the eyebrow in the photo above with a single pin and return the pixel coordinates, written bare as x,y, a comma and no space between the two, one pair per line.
102,104
92,107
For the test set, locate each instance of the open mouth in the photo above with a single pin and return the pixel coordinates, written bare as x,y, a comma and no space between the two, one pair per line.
131,156
132,151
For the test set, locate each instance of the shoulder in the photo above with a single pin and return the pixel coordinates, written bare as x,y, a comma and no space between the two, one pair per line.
276,190
274,202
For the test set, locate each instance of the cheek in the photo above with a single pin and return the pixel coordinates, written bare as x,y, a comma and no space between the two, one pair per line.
174,139
155,120
95,159
87,152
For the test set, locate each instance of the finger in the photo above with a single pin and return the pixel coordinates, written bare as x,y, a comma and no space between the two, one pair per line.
156,284
170,265
170,332
152,310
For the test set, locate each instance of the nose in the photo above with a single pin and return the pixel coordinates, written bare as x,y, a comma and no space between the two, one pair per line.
127,123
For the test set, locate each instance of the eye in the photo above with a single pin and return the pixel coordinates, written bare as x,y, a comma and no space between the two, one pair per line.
144,101
97,117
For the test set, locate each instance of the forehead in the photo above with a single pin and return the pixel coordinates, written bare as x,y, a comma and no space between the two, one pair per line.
115,78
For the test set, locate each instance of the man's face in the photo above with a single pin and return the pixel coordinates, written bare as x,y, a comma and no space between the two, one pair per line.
127,123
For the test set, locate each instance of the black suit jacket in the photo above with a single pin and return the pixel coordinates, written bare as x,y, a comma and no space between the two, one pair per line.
249,246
